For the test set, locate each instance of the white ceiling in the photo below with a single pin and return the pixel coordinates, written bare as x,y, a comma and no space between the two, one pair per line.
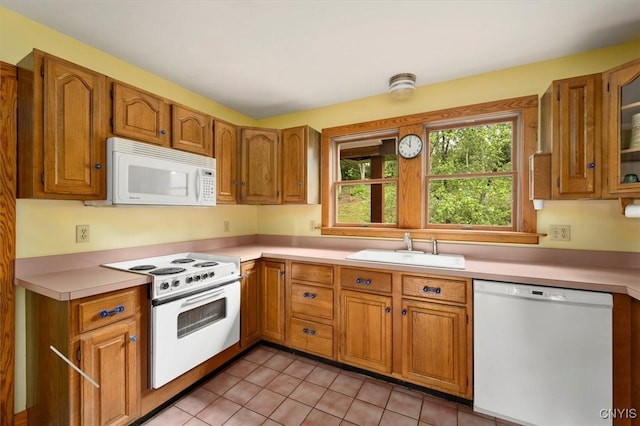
270,57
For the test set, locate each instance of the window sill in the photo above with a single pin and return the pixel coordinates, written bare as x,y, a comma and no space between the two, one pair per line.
480,236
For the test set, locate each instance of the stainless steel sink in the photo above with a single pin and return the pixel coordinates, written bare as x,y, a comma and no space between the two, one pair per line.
412,258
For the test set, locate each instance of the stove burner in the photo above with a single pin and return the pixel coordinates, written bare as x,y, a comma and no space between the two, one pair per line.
185,260
142,267
167,271
205,264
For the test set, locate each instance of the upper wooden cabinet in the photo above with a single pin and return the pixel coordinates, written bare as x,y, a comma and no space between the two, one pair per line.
300,166
61,130
226,154
622,102
191,130
140,115
570,130
259,166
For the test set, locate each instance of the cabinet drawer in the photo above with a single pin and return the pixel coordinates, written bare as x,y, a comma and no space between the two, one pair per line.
435,288
365,279
322,274
312,300
312,337
106,310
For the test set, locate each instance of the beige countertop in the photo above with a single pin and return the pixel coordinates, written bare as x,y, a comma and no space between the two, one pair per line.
86,281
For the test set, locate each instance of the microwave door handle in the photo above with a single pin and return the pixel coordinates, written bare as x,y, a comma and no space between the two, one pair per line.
198,185
206,296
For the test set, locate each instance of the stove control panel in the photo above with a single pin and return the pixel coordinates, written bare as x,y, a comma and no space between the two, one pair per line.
182,282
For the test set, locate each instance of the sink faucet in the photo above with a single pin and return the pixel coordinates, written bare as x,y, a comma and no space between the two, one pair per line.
407,241
434,243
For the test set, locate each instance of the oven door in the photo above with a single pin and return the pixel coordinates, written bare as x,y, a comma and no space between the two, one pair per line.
188,331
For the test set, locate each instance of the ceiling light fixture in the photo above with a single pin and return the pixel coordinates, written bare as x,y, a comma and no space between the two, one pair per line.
401,86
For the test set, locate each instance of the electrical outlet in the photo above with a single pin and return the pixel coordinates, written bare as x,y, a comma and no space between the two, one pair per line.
227,226
560,232
82,233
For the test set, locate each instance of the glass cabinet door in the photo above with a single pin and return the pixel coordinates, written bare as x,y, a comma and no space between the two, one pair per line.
624,129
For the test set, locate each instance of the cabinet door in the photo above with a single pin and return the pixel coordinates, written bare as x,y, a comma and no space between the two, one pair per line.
574,130
272,297
434,346
226,154
365,330
622,104
191,131
74,142
249,303
140,115
294,165
109,356
260,178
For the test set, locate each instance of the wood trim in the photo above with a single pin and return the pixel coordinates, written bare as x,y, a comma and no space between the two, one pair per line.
622,356
527,109
8,140
21,419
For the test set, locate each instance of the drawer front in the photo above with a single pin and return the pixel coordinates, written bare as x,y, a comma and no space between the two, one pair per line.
322,274
435,288
365,279
312,300
106,310
312,337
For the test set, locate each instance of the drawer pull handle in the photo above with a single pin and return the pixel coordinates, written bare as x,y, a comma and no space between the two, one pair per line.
308,331
363,281
116,310
428,289
309,295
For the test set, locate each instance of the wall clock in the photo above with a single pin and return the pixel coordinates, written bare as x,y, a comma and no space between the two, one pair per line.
410,146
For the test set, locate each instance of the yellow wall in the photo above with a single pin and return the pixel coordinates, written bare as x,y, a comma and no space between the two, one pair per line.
46,227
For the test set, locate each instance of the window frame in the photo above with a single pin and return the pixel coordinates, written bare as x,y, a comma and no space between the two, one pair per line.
412,173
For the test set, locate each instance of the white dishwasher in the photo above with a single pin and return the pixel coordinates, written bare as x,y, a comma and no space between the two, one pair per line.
542,356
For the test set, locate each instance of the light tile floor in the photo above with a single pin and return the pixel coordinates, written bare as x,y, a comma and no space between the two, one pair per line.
271,387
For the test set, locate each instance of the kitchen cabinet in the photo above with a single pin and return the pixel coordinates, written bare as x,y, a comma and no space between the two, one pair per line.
300,166
310,308
61,130
436,335
99,335
191,131
272,297
259,166
140,115
226,154
249,304
570,131
621,103
365,319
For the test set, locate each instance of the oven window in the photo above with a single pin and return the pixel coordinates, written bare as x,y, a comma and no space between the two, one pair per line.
201,317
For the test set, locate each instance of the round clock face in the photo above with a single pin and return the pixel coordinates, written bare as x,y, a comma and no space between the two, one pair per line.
410,146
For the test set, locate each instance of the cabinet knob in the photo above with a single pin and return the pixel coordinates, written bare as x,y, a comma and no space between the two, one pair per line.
404,312
591,165
163,132
387,309
299,183
133,339
97,166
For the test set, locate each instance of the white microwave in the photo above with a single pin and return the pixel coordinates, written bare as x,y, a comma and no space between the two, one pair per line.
144,174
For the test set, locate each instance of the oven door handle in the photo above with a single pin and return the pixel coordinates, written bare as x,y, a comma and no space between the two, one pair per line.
204,296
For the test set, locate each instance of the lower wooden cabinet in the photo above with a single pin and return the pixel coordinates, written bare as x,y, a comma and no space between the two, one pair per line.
249,304
434,346
109,357
365,330
272,301
101,339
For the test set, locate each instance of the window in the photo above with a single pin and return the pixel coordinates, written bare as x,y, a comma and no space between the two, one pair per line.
470,183
366,186
471,179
